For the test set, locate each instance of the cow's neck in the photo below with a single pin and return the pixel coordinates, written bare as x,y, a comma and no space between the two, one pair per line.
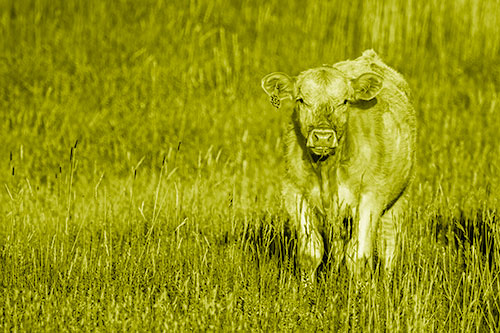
326,171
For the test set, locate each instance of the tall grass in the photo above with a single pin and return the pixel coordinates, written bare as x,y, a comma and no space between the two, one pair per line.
140,165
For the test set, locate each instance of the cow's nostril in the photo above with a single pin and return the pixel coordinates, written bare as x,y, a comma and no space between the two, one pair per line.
322,138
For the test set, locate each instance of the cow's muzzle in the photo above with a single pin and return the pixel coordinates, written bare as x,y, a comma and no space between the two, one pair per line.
322,141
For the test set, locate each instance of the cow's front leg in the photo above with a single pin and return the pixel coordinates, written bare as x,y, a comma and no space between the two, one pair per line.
360,248
310,242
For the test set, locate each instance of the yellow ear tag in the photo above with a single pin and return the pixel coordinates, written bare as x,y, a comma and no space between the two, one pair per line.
275,100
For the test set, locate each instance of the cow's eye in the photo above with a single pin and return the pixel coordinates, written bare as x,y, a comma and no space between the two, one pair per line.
345,101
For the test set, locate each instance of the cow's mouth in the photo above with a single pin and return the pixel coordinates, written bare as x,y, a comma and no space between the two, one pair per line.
321,153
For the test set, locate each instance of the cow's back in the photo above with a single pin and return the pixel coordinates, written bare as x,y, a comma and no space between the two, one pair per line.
370,61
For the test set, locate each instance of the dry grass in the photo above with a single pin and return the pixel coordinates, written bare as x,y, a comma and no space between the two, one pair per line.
166,213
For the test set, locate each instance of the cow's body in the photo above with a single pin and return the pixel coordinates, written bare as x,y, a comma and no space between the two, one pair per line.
350,151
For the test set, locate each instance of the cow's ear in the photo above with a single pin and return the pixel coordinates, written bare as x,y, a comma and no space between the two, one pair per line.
366,86
278,86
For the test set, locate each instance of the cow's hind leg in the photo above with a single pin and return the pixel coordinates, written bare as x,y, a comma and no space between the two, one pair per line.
389,225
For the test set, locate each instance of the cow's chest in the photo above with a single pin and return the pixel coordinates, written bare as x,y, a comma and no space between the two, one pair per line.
337,193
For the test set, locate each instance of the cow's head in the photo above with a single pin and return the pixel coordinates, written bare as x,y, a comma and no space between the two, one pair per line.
322,98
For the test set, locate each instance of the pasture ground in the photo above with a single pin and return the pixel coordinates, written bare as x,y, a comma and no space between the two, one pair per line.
140,166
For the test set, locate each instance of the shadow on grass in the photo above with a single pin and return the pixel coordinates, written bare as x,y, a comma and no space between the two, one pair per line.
271,238
474,241
476,229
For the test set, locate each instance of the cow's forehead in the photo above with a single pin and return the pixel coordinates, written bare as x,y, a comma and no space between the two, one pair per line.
322,84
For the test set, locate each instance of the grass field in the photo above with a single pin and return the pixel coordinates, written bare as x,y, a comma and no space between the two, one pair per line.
140,165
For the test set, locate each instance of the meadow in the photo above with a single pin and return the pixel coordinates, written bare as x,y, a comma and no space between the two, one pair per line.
140,166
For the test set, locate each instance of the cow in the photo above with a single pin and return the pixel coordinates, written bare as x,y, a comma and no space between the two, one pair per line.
350,156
